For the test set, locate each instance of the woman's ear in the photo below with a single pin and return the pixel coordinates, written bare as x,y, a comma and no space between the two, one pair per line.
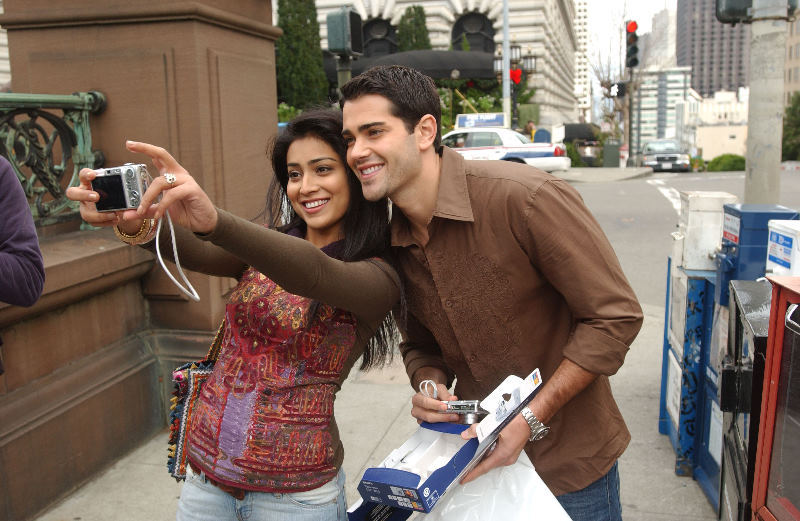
427,128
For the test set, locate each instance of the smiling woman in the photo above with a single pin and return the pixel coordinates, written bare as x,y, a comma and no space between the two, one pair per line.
313,297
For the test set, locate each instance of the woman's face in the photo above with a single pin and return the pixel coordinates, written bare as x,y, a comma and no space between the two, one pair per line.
318,188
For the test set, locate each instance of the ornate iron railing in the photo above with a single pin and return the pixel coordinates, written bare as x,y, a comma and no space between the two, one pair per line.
48,149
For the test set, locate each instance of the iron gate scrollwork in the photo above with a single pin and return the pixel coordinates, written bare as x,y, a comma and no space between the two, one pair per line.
47,150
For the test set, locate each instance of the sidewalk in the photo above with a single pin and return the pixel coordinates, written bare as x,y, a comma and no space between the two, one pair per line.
372,410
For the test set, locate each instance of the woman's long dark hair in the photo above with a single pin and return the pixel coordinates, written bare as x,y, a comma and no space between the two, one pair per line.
366,223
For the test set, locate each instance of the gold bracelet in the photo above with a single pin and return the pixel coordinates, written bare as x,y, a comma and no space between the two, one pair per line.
139,237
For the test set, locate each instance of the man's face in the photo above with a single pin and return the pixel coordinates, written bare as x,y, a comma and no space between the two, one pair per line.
380,150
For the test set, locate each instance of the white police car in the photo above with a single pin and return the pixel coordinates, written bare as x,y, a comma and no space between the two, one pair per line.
507,145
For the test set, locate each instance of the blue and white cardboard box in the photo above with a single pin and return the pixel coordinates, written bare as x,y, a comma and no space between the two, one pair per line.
416,475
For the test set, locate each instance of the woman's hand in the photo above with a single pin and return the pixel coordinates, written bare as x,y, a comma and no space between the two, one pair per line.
128,221
188,204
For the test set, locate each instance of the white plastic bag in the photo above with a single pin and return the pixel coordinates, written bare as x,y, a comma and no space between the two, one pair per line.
512,493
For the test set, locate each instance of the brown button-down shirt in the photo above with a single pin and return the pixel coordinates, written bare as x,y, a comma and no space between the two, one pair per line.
517,274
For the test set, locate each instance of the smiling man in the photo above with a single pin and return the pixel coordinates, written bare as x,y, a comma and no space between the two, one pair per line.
504,270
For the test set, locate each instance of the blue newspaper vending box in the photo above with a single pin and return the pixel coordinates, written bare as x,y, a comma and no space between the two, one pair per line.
742,256
687,332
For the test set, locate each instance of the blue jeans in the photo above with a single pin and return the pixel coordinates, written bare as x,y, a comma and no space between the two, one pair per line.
203,501
597,502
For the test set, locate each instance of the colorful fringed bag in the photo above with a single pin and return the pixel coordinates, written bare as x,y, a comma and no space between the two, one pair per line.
187,381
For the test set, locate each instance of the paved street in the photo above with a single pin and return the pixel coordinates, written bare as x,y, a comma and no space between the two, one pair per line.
636,210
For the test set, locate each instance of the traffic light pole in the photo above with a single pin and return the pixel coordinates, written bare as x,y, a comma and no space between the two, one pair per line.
631,61
765,111
632,152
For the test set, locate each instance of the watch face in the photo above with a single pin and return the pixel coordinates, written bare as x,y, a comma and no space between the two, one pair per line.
541,433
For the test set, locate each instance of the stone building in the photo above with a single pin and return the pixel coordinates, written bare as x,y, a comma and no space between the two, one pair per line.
543,27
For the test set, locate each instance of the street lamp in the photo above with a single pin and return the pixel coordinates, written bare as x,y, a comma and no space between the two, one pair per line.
528,64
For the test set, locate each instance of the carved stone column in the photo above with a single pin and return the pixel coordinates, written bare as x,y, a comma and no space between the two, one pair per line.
87,367
196,77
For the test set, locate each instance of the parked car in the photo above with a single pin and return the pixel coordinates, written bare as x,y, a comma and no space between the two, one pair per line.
666,155
507,145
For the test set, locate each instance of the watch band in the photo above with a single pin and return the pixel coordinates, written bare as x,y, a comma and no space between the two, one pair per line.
538,429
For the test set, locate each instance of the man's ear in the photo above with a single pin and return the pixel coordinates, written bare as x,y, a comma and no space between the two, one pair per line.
427,129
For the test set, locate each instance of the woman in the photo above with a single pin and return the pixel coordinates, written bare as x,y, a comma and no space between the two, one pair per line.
263,441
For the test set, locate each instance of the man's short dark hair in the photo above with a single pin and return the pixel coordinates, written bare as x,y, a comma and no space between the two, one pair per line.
411,94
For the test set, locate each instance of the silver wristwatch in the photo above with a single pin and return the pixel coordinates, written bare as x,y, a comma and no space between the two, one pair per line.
538,429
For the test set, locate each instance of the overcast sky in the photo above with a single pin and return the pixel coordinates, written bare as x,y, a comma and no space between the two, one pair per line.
607,17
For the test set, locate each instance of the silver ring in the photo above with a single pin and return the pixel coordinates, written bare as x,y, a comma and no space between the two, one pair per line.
169,178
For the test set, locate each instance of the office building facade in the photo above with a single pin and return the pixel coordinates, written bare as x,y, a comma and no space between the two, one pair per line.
583,74
718,54
654,104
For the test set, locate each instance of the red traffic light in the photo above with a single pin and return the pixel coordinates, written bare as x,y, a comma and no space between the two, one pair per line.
631,26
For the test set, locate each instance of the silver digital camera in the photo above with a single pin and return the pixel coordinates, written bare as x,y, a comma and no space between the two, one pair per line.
120,187
469,411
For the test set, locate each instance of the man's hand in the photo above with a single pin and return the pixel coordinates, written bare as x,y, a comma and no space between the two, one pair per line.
510,442
426,408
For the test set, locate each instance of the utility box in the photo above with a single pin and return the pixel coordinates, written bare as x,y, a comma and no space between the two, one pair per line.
687,335
783,248
740,257
611,154
745,231
700,228
741,381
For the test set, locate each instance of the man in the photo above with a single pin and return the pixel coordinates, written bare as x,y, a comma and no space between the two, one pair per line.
21,265
530,129
504,270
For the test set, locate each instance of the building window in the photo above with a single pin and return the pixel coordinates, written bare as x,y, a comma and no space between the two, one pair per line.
379,38
476,29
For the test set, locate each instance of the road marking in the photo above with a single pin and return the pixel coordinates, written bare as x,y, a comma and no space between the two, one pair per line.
672,195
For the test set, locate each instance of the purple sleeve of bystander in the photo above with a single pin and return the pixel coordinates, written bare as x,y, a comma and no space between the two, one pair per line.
21,265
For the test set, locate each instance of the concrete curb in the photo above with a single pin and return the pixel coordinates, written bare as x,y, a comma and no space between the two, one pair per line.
595,175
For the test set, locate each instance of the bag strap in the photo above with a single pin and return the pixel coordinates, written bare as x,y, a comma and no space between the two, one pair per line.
213,351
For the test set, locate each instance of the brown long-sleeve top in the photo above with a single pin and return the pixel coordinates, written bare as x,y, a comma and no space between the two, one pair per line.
517,274
264,418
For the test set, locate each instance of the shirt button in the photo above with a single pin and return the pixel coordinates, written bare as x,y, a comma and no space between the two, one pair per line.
448,303
472,358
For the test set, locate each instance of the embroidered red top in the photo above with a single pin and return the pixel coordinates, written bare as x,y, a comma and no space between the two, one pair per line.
264,420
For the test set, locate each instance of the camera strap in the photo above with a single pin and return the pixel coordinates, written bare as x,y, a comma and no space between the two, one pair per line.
189,290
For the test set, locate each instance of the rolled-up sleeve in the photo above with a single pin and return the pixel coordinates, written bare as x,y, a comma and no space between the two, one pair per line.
568,246
419,349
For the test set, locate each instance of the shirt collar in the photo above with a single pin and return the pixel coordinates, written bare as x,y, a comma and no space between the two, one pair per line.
452,199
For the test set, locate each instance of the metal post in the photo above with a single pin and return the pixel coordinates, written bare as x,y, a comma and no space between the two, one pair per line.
765,112
506,62
514,107
629,127
343,71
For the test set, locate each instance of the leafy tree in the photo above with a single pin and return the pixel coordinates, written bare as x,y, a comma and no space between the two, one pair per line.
301,77
464,95
574,155
412,31
287,112
791,130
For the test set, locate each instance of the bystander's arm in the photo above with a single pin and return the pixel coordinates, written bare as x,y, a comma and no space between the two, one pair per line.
21,265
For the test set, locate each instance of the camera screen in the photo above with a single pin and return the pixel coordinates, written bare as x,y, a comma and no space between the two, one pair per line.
111,191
